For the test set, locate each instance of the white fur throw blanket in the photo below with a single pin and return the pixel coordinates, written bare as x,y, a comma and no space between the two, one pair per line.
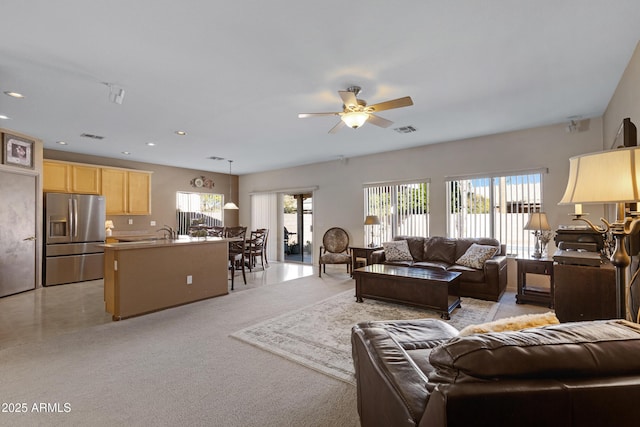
512,323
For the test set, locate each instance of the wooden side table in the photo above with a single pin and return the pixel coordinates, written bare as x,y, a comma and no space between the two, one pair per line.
530,292
362,252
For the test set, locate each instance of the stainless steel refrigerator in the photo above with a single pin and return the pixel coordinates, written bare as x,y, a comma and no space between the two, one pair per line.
73,227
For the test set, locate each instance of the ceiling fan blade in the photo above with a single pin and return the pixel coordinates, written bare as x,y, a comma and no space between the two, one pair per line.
379,121
305,115
348,98
337,127
394,103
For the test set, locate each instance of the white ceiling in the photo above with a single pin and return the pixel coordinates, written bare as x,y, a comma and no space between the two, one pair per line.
235,74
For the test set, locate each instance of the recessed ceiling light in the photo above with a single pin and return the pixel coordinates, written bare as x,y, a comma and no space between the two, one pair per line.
14,94
126,153
151,144
61,142
181,132
3,117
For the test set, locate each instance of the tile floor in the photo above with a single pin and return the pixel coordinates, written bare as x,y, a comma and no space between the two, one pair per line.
54,310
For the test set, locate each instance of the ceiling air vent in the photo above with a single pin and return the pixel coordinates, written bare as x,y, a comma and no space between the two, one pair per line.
405,129
91,136
215,158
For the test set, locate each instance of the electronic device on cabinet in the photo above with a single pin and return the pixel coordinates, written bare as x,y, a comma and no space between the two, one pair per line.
578,245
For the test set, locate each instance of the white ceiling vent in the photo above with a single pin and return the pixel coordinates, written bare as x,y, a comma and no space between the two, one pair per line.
91,136
405,129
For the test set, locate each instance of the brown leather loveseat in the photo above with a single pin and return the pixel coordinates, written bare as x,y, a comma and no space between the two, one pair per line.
421,373
487,283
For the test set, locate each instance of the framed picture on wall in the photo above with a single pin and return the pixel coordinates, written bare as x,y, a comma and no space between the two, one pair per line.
17,151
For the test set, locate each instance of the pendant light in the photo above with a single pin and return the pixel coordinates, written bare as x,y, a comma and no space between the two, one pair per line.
230,204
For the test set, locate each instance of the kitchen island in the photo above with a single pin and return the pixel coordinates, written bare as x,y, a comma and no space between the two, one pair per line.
149,275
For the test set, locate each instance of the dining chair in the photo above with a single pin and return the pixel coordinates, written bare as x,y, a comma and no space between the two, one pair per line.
237,249
334,249
216,231
256,247
266,240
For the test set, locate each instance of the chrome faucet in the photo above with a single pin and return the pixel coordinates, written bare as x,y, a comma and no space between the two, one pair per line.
169,232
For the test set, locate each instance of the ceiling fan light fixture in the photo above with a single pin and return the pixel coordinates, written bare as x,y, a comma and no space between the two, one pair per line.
355,119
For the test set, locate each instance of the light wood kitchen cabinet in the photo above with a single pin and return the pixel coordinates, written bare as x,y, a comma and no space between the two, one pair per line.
85,179
139,188
63,177
126,192
114,188
56,176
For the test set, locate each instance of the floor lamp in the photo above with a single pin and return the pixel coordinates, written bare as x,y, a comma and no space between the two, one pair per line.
608,177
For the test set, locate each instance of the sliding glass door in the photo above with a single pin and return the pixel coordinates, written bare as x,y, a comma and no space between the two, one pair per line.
298,228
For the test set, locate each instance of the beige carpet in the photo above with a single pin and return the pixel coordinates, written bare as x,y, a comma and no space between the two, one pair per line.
319,336
178,367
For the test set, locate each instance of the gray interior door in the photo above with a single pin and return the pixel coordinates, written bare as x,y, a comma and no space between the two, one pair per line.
17,232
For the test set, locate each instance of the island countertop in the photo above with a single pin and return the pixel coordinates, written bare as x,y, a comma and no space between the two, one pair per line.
145,242
149,275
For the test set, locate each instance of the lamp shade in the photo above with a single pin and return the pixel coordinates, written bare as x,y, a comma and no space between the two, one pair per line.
108,224
371,220
537,221
604,177
355,119
230,205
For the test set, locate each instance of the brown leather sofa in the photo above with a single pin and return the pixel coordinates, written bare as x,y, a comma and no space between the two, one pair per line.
420,373
441,253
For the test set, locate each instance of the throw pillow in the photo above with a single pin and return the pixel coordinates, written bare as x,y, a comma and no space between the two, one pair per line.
476,256
515,323
397,251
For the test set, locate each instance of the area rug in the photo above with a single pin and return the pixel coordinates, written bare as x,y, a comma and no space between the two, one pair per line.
319,336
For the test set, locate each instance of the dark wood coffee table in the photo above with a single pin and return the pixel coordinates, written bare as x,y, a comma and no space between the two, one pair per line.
432,289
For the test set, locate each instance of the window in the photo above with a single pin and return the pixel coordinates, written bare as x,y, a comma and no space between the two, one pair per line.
495,206
206,207
403,209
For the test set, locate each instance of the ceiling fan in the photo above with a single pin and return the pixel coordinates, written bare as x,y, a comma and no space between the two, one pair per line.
356,111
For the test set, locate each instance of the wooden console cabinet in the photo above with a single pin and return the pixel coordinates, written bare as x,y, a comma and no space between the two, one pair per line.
585,293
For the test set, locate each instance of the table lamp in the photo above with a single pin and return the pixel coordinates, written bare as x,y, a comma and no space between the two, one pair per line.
108,226
608,177
537,223
372,220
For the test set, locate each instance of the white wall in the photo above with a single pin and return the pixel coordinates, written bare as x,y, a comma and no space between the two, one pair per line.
625,102
339,198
